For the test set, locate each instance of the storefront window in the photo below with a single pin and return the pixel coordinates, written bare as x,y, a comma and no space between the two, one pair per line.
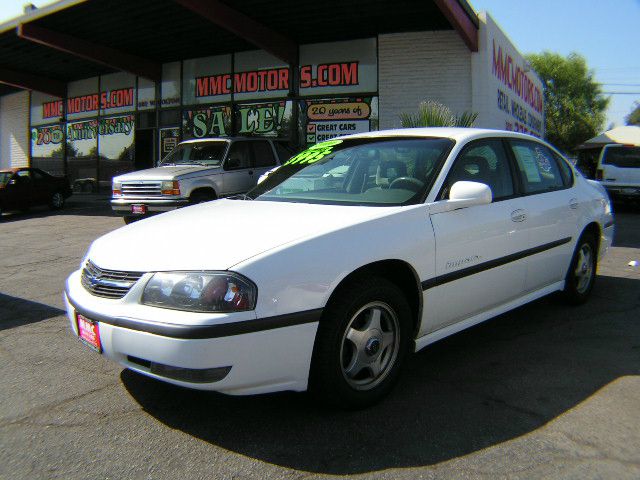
116,148
82,156
268,119
323,119
47,149
207,122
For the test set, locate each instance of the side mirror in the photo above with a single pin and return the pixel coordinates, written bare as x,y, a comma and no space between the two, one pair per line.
233,163
462,195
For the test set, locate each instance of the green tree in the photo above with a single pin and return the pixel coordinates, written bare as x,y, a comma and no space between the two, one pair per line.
436,114
634,116
574,103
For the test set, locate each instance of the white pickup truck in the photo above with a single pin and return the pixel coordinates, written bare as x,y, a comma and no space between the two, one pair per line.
196,171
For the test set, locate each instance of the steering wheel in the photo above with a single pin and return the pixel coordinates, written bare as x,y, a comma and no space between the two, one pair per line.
407,183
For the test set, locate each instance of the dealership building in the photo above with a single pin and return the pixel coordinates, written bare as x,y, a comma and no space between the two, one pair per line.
92,89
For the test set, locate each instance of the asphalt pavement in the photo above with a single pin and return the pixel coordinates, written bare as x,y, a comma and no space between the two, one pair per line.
545,391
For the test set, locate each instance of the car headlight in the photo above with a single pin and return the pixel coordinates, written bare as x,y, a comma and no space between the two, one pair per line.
170,187
116,189
200,292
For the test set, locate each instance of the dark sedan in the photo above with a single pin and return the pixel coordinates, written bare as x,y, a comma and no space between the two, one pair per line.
22,188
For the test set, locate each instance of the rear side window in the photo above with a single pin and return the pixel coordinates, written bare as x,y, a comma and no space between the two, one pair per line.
537,167
622,157
262,154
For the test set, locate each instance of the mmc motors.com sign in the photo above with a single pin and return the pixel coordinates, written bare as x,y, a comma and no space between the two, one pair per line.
106,100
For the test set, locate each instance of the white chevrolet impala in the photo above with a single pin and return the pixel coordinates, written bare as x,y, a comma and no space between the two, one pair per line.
354,253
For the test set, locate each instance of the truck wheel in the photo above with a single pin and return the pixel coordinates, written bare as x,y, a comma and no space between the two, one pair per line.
201,196
129,219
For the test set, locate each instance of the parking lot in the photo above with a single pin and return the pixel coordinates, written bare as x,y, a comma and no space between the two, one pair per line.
544,391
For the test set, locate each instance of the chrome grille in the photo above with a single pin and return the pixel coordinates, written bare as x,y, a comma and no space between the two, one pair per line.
108,283
141,189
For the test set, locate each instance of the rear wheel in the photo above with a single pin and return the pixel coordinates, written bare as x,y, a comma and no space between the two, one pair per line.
361,343
582,271
57,201
129,219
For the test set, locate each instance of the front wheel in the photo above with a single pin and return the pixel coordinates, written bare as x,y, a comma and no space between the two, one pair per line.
361,343
582,271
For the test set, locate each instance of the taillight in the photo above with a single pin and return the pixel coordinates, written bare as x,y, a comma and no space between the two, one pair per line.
599,174
170,187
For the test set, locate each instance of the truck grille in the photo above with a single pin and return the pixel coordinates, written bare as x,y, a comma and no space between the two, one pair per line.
141,189
108,283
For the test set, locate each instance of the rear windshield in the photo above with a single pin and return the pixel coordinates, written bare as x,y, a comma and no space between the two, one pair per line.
622,157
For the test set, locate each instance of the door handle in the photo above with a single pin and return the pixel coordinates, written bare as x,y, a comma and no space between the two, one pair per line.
573,203
518,215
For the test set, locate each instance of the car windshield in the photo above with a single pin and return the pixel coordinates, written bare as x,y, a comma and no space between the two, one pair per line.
204,153
369,171
4,177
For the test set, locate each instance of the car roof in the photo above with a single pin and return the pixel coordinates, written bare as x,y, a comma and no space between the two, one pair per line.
455,133
12,169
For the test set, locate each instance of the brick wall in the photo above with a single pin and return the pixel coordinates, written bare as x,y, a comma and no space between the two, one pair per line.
14,128
421,66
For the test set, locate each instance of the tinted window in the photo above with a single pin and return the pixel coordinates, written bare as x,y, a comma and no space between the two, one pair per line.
239,156
263,154
565,169
622,157
485,162
537,167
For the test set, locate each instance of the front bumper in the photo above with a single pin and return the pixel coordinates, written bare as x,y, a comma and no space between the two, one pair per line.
254,355
123,206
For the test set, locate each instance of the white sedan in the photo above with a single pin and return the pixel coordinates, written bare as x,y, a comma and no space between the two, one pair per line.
324,281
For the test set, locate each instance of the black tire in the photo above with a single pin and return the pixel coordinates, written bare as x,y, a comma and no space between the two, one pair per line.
57,201
334,354
582,270
201,196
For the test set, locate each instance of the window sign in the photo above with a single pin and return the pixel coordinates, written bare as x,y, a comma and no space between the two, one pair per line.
82,101
116,147
146,94
259,75
207,80
339,67
325,119
168,140
207,122
118,93
170,85
82,155
47,144
45,109
272,119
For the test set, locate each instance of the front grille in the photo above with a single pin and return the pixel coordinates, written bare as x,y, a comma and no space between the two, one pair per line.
141,189
108,283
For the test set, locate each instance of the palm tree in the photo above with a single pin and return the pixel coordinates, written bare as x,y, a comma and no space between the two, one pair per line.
435,114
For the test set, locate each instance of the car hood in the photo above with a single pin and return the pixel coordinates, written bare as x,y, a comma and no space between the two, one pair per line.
167,173
220,234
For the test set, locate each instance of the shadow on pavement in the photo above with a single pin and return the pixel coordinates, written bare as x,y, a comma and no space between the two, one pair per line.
490,384
15,312
627,231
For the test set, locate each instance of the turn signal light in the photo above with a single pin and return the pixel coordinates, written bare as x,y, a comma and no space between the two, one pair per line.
116,189
170,188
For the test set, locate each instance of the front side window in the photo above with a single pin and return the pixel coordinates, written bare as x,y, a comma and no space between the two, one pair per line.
263,154
205,153
485,162
382,172
537,167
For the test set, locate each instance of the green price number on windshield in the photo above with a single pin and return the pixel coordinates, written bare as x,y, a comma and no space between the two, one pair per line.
315,153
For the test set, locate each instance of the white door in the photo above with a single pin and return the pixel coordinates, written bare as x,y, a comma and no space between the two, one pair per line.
552,211
477,248
238,171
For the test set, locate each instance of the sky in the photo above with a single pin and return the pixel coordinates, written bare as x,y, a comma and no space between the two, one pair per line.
605,32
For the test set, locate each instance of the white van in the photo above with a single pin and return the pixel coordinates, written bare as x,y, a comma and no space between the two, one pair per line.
617,168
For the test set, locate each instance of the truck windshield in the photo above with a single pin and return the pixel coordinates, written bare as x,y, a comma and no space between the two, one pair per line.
208,153
622,157
367,171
